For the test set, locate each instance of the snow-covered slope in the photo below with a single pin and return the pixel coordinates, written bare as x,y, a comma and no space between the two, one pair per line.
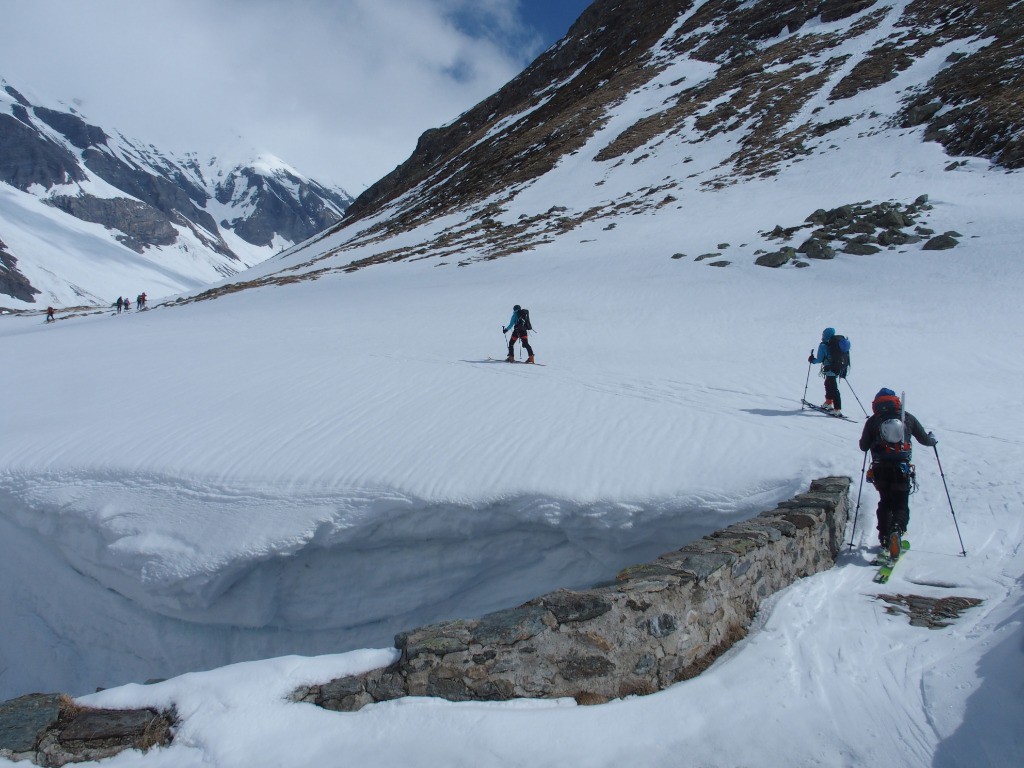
321,452
84,215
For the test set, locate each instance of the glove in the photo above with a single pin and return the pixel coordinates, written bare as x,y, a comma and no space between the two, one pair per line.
933,438
810,358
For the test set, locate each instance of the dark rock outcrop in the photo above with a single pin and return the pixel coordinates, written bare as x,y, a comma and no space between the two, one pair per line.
140,224
12,282
72,127
28,158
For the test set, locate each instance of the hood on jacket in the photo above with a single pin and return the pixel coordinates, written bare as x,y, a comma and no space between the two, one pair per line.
828,333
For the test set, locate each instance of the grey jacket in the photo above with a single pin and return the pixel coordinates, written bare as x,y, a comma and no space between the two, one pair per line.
911,426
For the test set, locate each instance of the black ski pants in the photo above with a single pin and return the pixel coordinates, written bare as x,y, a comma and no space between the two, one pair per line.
893,486
832,392
516,336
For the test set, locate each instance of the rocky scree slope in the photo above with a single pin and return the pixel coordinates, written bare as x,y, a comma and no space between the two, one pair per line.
762,86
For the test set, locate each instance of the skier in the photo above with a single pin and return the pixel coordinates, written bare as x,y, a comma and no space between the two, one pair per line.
835,363
519,325
120,304
887,434
49,315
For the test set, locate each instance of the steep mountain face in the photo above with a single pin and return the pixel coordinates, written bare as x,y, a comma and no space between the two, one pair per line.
175,211
665,97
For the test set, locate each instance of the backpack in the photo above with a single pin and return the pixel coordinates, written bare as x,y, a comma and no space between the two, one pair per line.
523,323
839,356
891,443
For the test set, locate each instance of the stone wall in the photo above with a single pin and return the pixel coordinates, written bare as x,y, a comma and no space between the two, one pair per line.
656,624
49,729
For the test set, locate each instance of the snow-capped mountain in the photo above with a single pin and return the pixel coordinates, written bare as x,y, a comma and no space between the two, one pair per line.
644,105
85,214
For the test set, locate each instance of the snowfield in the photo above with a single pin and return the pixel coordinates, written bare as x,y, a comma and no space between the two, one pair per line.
308,469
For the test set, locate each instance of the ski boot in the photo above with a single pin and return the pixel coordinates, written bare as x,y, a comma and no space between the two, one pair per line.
510,359
529,359
895,545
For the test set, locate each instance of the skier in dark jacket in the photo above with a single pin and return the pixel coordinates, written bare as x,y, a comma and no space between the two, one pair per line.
518,326
887,435
833,400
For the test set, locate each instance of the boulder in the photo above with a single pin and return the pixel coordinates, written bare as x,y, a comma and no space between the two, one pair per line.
940,243
814,248
861,249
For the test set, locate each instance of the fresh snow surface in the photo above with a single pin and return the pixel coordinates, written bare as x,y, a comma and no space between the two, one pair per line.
308,469
270,485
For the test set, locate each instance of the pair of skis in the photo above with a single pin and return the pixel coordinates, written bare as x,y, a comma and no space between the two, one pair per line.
503,360
886,563
826,411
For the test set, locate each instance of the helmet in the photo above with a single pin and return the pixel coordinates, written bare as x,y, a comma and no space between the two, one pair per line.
886,402
516,308
892,431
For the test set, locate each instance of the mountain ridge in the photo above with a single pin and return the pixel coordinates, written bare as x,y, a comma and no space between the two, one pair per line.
759,85
223,218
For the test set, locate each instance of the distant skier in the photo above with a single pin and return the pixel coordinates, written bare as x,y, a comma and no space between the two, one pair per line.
120,304
49,315
887,435
520,326
834,355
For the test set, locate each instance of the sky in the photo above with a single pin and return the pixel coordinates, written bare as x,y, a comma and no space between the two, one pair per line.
339,89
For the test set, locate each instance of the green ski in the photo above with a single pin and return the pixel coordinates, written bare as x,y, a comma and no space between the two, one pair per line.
887,563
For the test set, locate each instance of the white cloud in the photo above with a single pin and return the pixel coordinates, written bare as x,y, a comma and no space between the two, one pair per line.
341,89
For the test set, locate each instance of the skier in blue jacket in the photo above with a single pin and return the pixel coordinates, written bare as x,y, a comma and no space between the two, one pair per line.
519,325
833,400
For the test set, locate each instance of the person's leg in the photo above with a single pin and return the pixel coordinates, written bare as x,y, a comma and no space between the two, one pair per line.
526,344
884,486
511,346
900,506
832,392
883,515
837,399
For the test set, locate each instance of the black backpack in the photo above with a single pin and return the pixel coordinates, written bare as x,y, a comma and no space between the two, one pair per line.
523,323
839,356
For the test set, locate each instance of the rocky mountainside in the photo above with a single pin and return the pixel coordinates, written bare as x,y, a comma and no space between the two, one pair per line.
656,99
176,212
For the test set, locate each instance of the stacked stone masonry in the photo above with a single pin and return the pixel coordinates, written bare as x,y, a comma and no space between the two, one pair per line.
656,624
50,729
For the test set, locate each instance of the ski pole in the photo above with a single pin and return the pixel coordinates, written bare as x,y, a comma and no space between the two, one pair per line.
807,381
855,396
943,476
859,489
